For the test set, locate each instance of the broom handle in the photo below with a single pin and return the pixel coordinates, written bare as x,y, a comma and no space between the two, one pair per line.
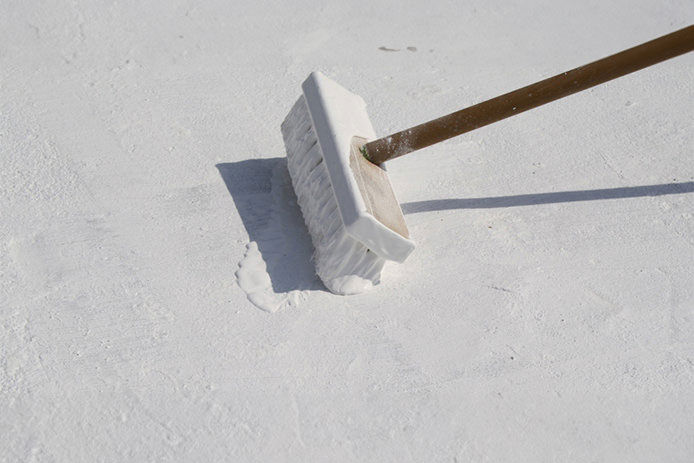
523,99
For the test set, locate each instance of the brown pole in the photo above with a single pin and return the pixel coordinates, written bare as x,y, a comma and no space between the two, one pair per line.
523,99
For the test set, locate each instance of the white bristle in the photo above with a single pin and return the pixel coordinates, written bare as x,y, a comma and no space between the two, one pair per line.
344,264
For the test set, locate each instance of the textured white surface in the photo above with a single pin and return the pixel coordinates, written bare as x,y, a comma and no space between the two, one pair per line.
546,314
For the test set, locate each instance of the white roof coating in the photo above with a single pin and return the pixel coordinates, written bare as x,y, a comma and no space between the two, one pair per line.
547,313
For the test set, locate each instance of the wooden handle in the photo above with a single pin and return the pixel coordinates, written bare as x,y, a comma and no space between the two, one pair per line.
523,99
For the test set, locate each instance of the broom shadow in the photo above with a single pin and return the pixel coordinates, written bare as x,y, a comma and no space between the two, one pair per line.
263,196
275,223
547,198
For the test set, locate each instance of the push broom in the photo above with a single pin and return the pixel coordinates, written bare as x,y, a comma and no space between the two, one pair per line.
335,161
